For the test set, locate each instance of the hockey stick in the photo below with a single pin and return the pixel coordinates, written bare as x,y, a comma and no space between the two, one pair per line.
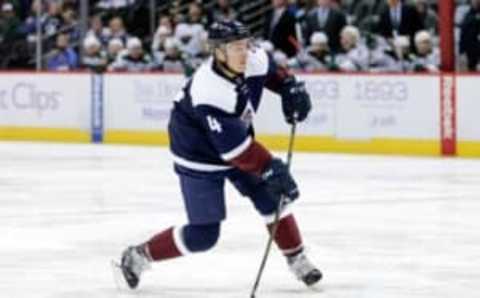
277,215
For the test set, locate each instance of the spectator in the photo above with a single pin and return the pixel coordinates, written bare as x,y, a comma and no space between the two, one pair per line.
9,23
53,18
195,14
69,24
223,11
134,59
162,33
166,21
355,56
317,56
325,19
403,54
399,19
116,29
193,62
115,48
280,28
470,36
428,15
189,36
428,57
173,60
29,27
93,58
366,13
16,7
461,11
63,57
97,30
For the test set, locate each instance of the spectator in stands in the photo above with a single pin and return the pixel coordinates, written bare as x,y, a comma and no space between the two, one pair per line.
193,62
9,23
53,18
196,15
317,56
173,60
280,28
166,21
328,20
399,19
223,11
365,13
29,26
470,36
63,57
17,7
69,24
355,55
461,11
403,54
116,29
98,30
135,59
93,58
115,48
189,36
427,58
162,33
427,15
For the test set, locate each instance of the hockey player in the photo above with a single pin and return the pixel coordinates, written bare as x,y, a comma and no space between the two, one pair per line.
212,140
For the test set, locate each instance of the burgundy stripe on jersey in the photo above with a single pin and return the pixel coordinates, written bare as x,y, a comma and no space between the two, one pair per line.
253,160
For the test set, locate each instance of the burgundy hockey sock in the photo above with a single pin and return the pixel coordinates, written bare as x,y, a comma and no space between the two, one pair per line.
288,237
164,246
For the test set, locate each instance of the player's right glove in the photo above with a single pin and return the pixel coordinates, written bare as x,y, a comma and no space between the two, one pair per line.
279,181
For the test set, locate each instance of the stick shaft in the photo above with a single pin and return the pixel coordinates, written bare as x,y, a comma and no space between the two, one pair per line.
277,216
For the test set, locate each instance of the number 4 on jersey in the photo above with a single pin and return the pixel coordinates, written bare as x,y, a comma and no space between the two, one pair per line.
214,124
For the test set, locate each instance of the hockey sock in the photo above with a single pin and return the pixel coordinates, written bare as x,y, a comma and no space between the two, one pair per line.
179,241
288,237
166,245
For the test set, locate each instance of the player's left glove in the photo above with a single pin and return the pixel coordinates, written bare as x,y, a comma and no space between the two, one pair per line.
296,103
279,181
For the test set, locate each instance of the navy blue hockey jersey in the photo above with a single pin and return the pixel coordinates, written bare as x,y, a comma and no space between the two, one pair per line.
211,122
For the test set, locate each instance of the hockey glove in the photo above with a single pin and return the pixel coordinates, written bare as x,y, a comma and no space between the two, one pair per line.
296,103
279,181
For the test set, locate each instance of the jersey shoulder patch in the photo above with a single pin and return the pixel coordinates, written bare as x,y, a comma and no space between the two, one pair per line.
211,90
257,63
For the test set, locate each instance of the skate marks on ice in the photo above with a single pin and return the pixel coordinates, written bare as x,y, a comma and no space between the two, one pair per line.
378,227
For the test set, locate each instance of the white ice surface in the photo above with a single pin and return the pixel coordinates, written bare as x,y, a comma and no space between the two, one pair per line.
378,227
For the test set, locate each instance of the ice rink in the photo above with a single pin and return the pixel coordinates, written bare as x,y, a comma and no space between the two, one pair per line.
378,227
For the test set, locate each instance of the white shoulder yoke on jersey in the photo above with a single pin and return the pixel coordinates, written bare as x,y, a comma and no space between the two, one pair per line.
208,88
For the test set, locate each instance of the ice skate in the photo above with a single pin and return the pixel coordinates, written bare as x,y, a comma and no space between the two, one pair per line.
303,269
134,262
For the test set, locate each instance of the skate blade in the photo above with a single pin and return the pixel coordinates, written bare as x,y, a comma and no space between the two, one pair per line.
118,278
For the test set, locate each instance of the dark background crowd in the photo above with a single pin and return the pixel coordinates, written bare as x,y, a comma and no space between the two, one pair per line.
307,35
